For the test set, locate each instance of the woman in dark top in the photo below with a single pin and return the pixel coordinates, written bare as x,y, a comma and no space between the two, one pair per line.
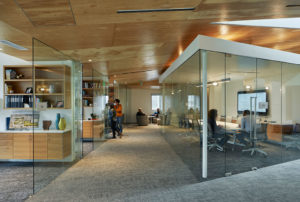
217,132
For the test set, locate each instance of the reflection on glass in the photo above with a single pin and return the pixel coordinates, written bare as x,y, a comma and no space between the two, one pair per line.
56,101
253,113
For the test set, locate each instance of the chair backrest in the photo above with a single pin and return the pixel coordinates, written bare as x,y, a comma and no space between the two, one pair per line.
209,131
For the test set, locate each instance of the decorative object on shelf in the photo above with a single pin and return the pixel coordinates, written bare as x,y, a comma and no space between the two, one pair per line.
19,76
7,74
59,104
51,88
57,121
41,106
29,90
7,123
62,123
11,91
24,121
94,116
47,124
13,74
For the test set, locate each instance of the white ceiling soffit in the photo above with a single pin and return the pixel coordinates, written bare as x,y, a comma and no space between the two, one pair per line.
225,46
289,23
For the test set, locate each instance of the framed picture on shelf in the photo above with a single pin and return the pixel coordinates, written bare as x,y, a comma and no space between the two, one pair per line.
59,104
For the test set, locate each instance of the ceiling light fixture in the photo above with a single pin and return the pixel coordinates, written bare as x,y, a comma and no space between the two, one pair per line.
215,83
13,45
292,5
90,60
154,10
267,87
248,87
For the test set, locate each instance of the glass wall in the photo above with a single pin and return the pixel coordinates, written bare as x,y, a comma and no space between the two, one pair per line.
95,99
56,112
253,118
181,112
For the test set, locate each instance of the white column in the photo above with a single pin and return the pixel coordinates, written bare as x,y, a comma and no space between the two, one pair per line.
204,112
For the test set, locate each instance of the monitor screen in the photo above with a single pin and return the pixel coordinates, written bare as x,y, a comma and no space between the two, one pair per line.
244,98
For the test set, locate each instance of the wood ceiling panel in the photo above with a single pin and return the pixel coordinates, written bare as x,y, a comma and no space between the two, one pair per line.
137,42
14,35
76,37
47,13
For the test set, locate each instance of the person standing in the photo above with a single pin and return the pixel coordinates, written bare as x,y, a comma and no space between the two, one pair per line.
118,108
113,121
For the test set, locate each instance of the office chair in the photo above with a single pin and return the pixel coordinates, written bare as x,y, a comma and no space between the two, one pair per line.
212,142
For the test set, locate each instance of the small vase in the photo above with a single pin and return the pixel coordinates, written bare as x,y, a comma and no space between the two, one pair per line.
57,121
62,124
51,88
46,124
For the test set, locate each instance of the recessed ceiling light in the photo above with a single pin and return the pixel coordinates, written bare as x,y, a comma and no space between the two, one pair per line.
248,87
215,83
90,60
13,45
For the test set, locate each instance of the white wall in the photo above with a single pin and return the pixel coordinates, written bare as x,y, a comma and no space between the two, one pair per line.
134,98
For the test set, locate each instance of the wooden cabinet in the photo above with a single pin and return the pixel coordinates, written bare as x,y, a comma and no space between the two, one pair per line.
275,131
23,146
6,146
59,146
38,146
92,129
87,129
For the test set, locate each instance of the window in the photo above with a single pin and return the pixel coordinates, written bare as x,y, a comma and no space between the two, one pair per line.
156,102
193,101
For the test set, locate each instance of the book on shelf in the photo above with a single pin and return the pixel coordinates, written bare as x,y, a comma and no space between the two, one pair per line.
91,84
18,101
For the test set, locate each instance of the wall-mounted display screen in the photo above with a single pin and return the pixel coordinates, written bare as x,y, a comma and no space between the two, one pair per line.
244,100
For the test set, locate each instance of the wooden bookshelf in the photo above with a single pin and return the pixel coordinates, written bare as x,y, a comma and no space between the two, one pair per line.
90,87
39,78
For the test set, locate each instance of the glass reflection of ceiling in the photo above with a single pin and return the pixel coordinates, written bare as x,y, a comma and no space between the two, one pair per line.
188,72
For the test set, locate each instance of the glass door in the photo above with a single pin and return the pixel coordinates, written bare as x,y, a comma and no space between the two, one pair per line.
242,97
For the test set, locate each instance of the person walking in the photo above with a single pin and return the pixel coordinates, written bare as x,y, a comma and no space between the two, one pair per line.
113,121
118,108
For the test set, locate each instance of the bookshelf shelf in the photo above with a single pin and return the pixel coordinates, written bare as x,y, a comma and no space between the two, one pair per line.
18,80
40,78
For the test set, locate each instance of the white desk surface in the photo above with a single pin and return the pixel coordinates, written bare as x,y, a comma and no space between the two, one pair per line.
35,131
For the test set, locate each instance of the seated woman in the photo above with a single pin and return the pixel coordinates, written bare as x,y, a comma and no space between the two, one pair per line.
217,132
140,112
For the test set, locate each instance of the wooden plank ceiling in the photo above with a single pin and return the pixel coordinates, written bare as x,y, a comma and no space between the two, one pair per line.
137,47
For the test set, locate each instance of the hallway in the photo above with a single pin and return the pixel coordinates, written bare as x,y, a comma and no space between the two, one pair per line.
139,163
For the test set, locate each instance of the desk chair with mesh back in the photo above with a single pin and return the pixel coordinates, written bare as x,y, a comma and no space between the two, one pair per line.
212,142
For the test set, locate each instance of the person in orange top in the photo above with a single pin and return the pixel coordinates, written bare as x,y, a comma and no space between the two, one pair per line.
118,108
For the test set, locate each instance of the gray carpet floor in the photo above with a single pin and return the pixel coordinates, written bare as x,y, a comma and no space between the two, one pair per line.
186,143
146,165
139,163
18,180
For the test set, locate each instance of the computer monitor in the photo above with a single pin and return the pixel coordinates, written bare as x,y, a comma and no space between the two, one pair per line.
244,98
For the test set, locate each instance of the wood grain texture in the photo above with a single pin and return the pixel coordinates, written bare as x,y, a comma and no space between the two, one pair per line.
139,41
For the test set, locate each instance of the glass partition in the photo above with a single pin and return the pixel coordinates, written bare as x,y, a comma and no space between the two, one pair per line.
100,109
57,111
181,112
252,112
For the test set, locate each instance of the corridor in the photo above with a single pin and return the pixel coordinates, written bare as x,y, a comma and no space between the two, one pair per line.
139,163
